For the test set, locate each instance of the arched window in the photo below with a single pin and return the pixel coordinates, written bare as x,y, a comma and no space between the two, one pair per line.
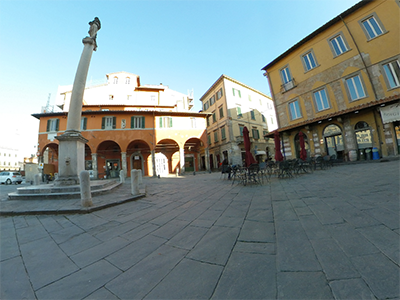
127,80
363,135
361,125
115,80
333,140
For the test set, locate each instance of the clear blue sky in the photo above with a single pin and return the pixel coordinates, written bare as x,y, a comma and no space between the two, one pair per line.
184,44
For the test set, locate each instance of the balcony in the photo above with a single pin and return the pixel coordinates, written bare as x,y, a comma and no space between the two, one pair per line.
288,86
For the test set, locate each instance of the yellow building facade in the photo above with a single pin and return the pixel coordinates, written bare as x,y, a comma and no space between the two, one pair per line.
340,86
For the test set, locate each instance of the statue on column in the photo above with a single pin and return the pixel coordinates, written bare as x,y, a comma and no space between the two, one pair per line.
95,26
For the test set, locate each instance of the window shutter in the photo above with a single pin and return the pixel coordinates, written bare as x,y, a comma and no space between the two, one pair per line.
143,122
48,125
161,119
84,123
57,124
132,120
240,96
170,122
114,122
103,122
233,90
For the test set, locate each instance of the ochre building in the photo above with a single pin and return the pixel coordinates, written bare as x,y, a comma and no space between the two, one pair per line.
129,126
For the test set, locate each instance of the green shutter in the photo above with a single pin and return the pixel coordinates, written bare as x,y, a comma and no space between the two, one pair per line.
143,118
103,122
48,125
84,123
132,121
57,124
161,122
233,90
114,122
239,94
170,122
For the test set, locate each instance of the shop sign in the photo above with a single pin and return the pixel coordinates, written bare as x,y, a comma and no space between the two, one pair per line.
390,113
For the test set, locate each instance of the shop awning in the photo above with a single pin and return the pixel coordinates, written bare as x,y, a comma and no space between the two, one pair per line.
390,113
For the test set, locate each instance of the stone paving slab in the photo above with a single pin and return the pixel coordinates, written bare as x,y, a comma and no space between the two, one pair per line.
332,234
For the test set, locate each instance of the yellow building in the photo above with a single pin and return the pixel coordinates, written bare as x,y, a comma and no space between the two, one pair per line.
340,85
232,105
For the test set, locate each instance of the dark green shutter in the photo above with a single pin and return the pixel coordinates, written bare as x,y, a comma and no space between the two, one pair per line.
170,122
233,90
57,124
143,122
114,122
48,125
84,123
103,122
132,121
160,122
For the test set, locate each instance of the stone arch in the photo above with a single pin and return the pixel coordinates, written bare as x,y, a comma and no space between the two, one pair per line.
49,154
170,148
108,159
192,148
137,153
297,145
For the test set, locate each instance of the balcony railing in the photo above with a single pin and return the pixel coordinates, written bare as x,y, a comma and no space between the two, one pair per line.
288,86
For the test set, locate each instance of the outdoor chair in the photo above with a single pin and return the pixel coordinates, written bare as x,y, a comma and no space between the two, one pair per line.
285,169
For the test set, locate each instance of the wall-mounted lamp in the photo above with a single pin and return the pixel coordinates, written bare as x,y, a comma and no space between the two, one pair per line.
319,122
330,119
356,112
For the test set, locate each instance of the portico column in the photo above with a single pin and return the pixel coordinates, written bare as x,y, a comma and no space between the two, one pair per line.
94,165
124,165
153,162
182,159
207,159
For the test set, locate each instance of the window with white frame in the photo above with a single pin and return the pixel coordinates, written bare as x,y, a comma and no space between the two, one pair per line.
309,61
355,87
285,75
165,122
108,122
338,44
137,122
294,109
236,92
53,125
321,100
127,80
392,72
115,80
372,27
83,123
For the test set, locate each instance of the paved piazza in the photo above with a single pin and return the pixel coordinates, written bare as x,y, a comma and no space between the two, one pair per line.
333,234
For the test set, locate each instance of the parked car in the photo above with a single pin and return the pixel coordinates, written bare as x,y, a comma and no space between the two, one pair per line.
9,177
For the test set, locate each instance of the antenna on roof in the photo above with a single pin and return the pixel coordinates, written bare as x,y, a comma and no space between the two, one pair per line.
48,108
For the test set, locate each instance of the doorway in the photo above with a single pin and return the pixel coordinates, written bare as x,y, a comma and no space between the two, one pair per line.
189,163
112,168
334,141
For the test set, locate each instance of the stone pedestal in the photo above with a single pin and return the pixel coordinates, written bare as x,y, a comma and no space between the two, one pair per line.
71,158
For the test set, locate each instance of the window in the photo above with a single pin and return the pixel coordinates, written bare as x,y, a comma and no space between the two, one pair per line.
392,72
165,122
265,132
221,112
108,123
212,100
111,97
236,92
83,123
263,118
309,61
115,80
208,121
256,134
193,122
321,100
137,122
355,88
128,97
206,106
215,136
287,80
241,129
294,109
209,139
214,117
52,125
127,80
223,134
249,98
239,112
219,94
372,26
338,45
253,115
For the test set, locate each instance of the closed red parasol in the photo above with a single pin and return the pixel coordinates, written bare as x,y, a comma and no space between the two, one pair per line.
249,157
278,154
303,152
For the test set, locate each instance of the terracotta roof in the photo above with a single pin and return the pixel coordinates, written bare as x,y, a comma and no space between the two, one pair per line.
337,114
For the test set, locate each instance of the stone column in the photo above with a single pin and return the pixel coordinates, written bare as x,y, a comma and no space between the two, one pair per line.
72,144
94,165
207,154
124,165
182,160
153,162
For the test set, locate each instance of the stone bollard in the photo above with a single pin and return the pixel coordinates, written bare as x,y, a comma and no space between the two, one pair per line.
86,194
135,182
36,179
122,176
140,179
